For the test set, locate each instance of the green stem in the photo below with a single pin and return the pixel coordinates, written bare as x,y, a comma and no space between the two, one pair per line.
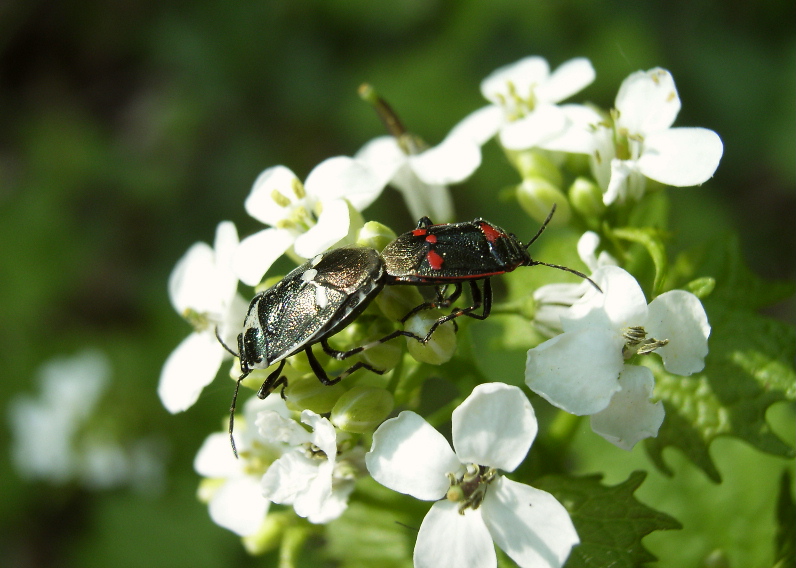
292,542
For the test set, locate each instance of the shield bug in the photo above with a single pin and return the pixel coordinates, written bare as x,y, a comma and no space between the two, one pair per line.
309,305
454,253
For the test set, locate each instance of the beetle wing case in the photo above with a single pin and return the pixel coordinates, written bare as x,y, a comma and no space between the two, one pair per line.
456,251
314,301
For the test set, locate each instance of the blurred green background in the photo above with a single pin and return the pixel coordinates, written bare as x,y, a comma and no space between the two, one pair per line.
128,129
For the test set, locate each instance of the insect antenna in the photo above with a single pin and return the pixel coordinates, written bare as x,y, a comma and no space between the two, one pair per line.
224,345
567,269
542,228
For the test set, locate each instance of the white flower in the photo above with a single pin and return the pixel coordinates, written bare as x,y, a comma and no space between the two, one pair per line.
203,289
232,490
312,476
582,370
641,143
311,217
524,108
423,175
492,429
55,436
554,300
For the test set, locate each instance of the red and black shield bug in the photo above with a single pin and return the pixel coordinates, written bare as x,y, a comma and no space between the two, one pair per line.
309,305
453,253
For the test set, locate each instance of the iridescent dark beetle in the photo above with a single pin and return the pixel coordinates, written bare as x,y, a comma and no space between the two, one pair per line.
453,253
309,305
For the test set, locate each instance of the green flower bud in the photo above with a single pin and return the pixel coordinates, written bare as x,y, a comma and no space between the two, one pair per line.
534,164
311,394
537,197
397,301
375,235
702,287
442,345
587,198
362,409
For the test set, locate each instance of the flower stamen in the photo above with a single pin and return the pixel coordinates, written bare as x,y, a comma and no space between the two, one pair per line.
470,488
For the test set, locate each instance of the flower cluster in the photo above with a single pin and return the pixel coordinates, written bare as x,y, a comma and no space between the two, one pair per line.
65,436
306,450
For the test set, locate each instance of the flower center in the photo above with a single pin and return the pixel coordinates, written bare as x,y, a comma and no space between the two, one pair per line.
300,213
469,489
515,106
200,321
636,342
628,145
410,144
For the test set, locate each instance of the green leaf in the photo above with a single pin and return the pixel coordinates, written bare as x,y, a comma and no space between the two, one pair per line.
378,530
785,553
609,520
749,367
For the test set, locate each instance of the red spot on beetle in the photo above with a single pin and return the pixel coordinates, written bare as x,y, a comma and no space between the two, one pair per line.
434,260
419,232
490,232
431,238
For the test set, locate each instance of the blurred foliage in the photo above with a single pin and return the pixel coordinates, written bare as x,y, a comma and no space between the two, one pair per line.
129,129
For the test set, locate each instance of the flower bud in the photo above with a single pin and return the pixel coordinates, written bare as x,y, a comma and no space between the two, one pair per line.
311,394
534,164
537,197
587,198
701,287
442,344
375,235
397,301
362,409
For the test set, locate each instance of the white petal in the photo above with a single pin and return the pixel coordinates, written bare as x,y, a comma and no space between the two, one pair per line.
449,540
479,126
422,199
274,426
239,506
288,477
409,456
344,177
215,458
680,317
577,371
494,426
310,501
324,436
191,367
647,102
255,254
260,203
383,156
631,416
621,304
524,75
569,78
224,246
545,122
578,135
333,224
528,524
190,283
333,504
620,172
452,161
681,156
